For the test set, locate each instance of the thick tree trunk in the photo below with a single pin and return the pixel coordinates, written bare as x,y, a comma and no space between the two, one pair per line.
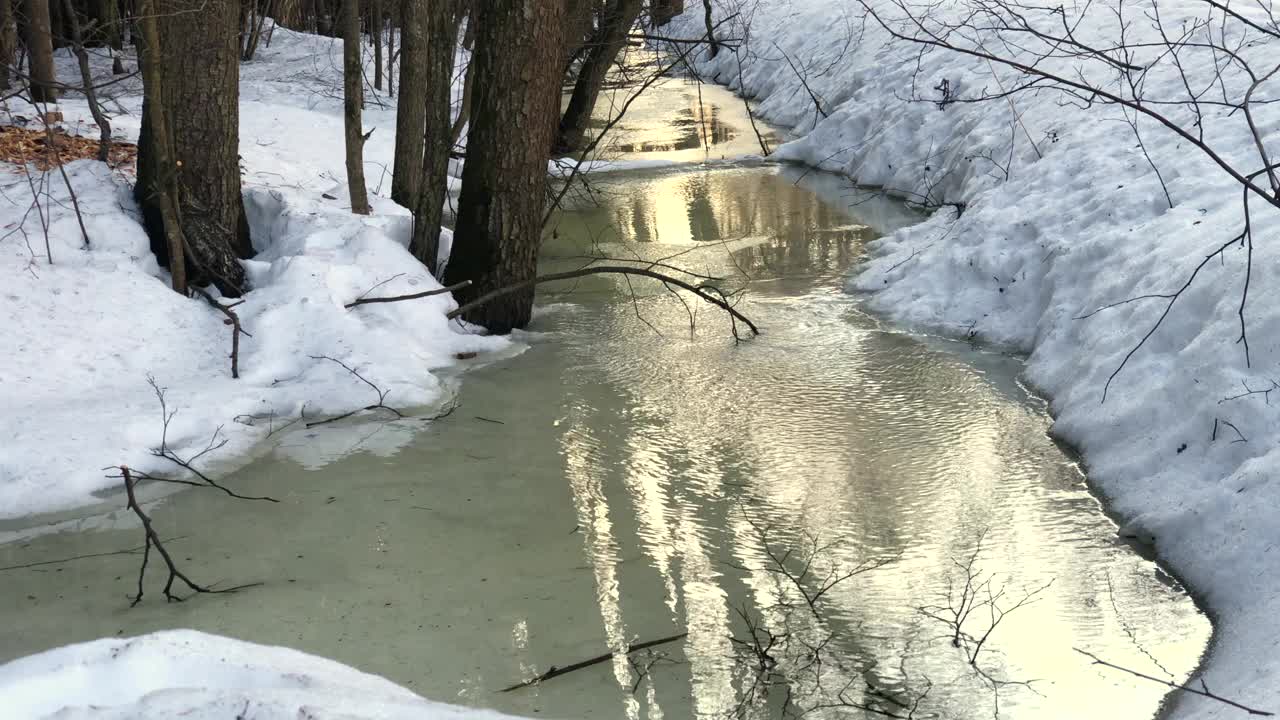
200,71
37,35
519,57
411,120
353,104
442,38
160,156
607,42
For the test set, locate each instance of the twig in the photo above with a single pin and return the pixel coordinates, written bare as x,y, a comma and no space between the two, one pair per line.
382,395
236,329
555,672
1202,691
397,298
153,540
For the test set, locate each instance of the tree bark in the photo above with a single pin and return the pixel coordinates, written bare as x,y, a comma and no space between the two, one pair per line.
163,189
37,34
8,41
442,38
519,57
607,42
198,65
353,103
411,109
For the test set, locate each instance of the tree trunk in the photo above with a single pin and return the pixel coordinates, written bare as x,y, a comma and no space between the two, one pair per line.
607,42
391,49
57,24
464,103
519,57
580,27
411,109
353,103
442,39
199,69
8,41
163,189
86,78
37,35
375,33
711,28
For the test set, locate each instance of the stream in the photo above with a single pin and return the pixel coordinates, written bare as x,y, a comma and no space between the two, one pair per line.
811,506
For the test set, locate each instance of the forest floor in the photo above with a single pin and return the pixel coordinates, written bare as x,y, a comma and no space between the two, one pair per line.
1063,214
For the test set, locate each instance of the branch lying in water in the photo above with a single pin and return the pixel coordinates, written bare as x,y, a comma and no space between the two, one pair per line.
558,671
706,292
1202,691
153,540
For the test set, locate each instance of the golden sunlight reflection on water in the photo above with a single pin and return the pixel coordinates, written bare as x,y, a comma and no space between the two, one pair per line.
625,479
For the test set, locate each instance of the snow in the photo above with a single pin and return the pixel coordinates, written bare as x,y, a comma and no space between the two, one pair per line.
188,674
1080,222
84,334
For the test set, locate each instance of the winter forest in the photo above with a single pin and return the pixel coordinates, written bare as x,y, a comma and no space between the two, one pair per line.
645,359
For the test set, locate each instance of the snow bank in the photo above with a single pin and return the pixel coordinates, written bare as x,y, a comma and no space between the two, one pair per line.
193,675
85,332
1081,221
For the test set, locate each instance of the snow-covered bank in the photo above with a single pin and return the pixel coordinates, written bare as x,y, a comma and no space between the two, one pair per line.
183,673
1081,221
86,331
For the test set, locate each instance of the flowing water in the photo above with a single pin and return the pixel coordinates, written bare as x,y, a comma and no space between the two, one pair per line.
637,473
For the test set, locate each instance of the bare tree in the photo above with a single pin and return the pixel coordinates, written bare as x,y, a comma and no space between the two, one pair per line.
442,38
518,55
602,50
197,52
411,109
37,34
163,187
353,103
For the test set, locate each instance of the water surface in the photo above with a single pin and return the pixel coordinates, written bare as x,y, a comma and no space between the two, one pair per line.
637,473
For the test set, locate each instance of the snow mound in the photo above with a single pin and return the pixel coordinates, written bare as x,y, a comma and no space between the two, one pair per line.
85,332
193,675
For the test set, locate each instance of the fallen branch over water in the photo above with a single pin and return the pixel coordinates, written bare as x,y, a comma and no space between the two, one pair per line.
555,672
702,291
